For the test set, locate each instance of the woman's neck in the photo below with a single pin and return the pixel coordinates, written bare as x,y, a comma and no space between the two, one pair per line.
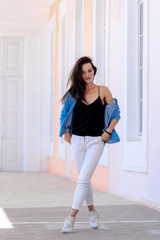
90,86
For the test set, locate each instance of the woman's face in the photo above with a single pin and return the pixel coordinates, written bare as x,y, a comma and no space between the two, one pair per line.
87,73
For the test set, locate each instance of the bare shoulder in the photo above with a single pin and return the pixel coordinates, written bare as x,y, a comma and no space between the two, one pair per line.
104,89
107,96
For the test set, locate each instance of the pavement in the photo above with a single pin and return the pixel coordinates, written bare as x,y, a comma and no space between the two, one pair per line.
33,206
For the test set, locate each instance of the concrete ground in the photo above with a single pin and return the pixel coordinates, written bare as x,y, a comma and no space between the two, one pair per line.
33,207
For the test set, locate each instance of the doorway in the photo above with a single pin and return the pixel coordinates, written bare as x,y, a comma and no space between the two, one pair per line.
11,103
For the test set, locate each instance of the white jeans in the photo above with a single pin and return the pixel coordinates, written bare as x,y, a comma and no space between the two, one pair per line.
86,152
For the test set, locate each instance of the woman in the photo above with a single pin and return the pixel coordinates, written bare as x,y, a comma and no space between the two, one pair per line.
88,119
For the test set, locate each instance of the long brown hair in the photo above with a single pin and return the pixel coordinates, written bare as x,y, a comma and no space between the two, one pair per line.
77,84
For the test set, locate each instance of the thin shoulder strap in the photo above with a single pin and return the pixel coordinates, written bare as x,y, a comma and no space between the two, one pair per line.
98,90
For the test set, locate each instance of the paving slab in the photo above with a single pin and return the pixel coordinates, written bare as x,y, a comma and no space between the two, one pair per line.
116,222
44,190
33,207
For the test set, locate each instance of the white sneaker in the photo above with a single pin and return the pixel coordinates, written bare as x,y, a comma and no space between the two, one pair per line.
68,224
94,215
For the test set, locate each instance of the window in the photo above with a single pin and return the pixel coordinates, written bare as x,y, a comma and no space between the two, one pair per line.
134,154
51,87
100,40
63,54
140,68
78,29
52,64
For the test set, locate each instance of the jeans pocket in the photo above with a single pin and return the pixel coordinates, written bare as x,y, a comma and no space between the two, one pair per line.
99,139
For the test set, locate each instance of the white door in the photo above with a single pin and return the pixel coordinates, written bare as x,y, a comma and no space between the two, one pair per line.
12,89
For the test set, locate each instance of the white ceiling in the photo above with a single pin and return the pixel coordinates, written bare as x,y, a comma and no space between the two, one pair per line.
43,3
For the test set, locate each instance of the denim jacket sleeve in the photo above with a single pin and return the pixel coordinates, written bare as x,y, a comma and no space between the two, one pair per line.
66,115
65,109
112,111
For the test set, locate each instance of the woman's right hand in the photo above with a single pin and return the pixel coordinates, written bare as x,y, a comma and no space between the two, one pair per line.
67,137
105,136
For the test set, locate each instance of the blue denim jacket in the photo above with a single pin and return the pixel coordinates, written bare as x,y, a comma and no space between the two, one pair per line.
111,112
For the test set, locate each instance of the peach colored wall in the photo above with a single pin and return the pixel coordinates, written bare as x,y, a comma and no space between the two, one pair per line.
100,178
56,165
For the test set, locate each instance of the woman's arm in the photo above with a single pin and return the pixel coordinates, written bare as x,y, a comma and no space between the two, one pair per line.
67,137
107,96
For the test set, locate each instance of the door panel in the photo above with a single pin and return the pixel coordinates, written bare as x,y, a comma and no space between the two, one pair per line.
11,109
14,54
13,124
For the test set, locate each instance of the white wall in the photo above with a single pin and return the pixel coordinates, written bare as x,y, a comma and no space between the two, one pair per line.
31,22
32,103
141,187
153,181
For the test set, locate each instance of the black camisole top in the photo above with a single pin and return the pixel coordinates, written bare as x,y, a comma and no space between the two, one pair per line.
88,120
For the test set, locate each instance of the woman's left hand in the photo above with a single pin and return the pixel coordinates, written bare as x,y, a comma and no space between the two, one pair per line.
105,136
